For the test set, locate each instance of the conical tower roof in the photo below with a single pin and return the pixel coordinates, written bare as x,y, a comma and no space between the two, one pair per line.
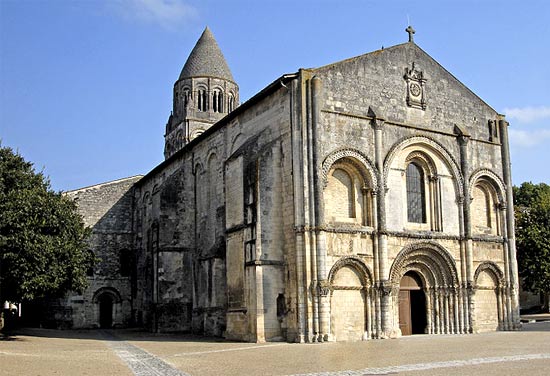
206,59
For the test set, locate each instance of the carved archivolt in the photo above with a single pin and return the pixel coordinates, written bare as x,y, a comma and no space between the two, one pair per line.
495,270
360,161
431,144
357,264
435,265
491,177
425,161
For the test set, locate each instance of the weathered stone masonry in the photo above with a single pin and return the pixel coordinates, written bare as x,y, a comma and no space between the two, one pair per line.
368,198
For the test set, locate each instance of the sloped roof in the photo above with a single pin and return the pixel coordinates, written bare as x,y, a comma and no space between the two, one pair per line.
206,59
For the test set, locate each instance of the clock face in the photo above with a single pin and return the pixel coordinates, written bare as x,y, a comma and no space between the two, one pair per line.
415,89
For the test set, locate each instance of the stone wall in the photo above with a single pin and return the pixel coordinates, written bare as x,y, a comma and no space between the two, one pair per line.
108,209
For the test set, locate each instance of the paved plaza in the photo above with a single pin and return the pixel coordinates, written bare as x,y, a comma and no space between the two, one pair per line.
129,352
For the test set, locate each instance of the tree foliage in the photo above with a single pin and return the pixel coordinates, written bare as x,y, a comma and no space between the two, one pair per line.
532,213
43,251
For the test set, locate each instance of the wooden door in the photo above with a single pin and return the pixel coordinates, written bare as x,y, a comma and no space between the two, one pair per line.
405,323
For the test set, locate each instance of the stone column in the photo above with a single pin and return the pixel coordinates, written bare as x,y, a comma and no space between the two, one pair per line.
467,245
382,250
323,303
510,223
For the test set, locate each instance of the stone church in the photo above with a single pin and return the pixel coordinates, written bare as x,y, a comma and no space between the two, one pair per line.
368,198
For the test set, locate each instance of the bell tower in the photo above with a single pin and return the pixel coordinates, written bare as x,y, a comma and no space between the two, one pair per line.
203,94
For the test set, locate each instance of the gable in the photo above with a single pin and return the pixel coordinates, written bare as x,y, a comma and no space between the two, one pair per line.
380,80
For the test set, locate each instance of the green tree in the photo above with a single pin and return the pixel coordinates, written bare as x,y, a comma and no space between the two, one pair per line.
43,251
532,212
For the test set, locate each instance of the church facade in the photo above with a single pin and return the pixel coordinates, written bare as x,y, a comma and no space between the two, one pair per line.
369,198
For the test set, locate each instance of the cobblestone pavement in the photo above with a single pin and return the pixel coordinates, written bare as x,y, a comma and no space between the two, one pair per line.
129,352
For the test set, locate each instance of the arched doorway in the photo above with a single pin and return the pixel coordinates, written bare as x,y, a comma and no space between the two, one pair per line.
107,307
412,305
105,311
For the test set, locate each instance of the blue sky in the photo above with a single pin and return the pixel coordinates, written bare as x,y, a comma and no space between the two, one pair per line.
86,86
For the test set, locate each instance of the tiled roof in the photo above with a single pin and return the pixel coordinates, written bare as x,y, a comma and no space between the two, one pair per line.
206,59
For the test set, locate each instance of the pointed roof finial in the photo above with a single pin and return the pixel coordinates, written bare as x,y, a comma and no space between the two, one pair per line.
206,59
411,32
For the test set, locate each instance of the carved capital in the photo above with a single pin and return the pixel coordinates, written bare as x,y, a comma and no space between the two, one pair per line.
378,124
385,288
324,287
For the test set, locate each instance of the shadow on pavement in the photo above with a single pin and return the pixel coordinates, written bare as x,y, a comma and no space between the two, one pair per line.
540,326
109,334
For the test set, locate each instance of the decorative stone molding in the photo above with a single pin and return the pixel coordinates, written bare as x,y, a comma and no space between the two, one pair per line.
490,265
111,291
324,287
432,261
355,263
429,142
362,163
416,87
425,161
494,179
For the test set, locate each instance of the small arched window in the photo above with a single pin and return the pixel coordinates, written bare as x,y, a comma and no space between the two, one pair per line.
230,103
202,100
217,101
416,197
186,95
346,195
90,268
343,187
483,209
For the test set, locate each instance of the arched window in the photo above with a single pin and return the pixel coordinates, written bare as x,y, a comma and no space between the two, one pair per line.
217,101
483,209
342,189
202,100
416,197
347,195
230,103
90,269
186,95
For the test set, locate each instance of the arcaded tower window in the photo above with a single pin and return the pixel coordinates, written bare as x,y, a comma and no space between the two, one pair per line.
185,97
202,104
217,101
416,198
230,103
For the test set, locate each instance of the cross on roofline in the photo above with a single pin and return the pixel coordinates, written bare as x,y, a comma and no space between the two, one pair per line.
411,32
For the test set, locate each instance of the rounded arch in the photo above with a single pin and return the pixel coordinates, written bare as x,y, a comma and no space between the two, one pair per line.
196,133
356,264
146,197
109,291
212,153
236,142
430,260
198,167
422,159
432,145
491,178
492,268
361,162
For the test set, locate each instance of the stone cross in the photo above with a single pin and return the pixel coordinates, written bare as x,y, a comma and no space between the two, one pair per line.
411,32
